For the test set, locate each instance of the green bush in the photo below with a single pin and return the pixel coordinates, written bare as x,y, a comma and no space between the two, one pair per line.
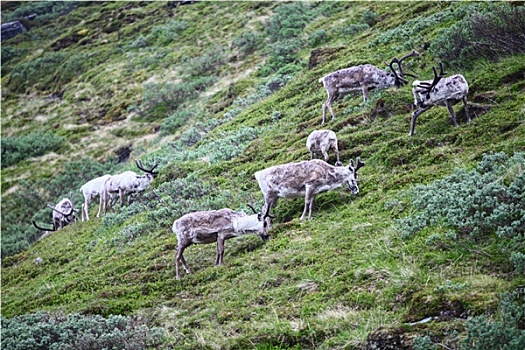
38,71
486,200
318,37
492,33
504,330
175,121
289,21
44,330
159,100
17,148
166,33
247,42
207,64
45,10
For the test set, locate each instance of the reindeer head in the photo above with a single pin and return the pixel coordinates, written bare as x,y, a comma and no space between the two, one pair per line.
399,76
262,223
351,182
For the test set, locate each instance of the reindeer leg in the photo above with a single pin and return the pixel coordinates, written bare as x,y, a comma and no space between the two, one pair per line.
220,251
179,258
311,207
466,108
307,202
325,154
365,92
336,150
451,111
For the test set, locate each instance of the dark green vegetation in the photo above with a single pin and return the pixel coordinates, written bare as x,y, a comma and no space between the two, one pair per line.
213,92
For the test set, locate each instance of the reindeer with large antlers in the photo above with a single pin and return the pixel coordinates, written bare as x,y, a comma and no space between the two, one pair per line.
441,91
363,77
63,214
128,183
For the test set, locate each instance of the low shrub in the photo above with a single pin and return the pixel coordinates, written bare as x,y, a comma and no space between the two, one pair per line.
247,42
43,330
476,203
493,33
502,330
175,121
17,148
167,33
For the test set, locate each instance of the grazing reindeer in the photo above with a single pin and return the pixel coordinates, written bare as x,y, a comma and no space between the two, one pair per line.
128,183
214,226
320,141
363,77
439,92
91,190
63,215
306,178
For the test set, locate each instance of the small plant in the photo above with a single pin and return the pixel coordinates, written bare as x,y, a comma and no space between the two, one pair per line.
44,330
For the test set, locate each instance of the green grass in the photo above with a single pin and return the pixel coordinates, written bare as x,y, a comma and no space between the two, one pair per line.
326,283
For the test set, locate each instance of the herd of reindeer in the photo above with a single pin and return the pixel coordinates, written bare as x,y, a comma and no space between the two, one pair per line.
292,180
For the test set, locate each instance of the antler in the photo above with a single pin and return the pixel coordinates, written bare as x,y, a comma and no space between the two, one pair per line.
58,211
359,165
427,87
400,61
43,229
252,208
398,78
138,162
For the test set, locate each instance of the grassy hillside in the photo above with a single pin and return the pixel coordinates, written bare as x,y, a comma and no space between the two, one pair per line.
215,91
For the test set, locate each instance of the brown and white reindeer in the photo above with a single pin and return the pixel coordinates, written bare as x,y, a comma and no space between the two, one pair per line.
441,91
320,141
204,227
363,77
63,214
306,178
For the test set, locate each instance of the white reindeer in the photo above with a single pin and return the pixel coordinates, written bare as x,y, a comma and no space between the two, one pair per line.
63,215
127,183
91,190
306,178
363,77
439,92
214,226
320,141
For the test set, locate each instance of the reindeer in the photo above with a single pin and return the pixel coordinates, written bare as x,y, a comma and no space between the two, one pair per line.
306,178
205,227
63,215
91,190
320,141
127,183
439,92
363,77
